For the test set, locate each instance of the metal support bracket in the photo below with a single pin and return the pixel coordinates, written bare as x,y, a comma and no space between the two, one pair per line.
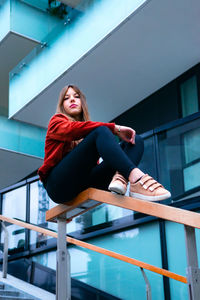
148,287
63,277
5,250
193,271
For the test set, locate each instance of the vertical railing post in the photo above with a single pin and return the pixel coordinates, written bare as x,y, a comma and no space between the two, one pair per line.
63,278
147,284
5,250
193,271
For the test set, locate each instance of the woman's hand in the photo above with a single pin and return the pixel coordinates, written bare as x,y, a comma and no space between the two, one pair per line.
125,133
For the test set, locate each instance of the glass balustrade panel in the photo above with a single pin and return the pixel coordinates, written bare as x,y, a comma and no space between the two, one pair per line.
14,206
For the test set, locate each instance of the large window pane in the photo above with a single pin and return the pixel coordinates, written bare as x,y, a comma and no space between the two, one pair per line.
148,163
101,214
191,176
176,259
179,158
189,96
12,209
39,204
191,142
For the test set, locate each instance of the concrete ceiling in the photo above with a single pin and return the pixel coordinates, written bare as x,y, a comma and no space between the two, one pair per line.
13,48
16,166
152,47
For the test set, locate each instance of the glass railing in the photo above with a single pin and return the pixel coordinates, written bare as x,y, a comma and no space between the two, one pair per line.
84,26
21,137
17,234
4,18
38,19
53,18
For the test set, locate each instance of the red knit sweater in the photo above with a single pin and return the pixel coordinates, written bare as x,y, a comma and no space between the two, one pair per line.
62,136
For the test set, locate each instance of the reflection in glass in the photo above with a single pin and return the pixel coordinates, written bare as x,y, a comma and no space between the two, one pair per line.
191,174
39,204
189,96
100,215
176,253
14,206
148,162
191,141
179,157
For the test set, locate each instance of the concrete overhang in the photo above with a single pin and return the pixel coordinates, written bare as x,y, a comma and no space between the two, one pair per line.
153,46
16,166
13,48
21,150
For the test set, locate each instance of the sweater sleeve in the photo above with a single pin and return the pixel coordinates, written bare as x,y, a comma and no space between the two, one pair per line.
62,129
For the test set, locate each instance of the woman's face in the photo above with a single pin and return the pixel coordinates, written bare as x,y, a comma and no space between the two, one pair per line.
72,104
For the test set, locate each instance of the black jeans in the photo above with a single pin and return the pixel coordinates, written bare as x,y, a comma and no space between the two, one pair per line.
79,170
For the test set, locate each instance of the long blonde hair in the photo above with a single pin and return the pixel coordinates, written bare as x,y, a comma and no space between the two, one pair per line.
60,109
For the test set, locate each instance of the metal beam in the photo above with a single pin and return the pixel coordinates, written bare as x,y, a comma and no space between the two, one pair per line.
193,271
63,278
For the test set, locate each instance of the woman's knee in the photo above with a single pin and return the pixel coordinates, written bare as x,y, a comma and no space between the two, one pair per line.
102,130
138,142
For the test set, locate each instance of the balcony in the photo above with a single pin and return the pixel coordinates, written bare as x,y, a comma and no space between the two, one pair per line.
25,24
21,150
90,29
115,51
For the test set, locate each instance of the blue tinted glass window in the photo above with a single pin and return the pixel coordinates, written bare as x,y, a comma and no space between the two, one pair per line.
191,174
113,276
12,209
189,96
191,142
179,158
176,258
39,204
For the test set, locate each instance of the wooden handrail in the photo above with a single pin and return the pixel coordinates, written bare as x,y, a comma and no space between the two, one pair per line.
129,260
162,211
98,249
29,226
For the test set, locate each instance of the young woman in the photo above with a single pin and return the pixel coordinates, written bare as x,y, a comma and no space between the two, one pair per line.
74,145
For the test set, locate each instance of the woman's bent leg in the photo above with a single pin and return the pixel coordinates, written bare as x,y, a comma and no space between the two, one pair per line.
134,152
102,174
71,175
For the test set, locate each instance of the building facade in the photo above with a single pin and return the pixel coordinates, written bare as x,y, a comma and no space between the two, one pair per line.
138,64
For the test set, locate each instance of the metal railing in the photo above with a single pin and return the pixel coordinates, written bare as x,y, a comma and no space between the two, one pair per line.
61,255
64,213
190,220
